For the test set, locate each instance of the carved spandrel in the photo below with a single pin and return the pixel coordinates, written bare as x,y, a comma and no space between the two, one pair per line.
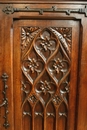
27,36
63,41
66,33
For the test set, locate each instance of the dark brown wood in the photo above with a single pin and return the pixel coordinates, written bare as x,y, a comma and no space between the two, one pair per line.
44,54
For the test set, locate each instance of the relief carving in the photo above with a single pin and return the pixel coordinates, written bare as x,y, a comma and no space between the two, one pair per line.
45,87
59,66
32,99
46,66
45,44
33,65
57,100
26,113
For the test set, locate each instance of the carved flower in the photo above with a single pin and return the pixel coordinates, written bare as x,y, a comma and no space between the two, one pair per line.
46,43
56,99
33,65
32,99
26,36
58,65
45,86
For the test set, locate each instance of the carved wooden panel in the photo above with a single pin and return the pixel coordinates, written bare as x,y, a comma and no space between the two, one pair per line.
45,69
43,49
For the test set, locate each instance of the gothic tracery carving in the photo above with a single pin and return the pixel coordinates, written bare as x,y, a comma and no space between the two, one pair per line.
46,66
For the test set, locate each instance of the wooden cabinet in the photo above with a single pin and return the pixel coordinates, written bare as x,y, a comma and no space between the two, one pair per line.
43,61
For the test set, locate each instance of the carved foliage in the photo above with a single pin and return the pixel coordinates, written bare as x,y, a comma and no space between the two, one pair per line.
66,33
27,35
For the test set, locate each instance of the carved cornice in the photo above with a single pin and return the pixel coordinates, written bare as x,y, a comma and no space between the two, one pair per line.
10,10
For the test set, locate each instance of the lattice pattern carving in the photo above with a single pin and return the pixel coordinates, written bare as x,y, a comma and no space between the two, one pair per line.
46,59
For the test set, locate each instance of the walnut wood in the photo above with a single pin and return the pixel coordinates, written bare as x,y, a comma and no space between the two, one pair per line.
45,57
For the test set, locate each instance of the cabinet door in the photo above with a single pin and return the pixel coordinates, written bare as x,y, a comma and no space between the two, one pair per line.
45,59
